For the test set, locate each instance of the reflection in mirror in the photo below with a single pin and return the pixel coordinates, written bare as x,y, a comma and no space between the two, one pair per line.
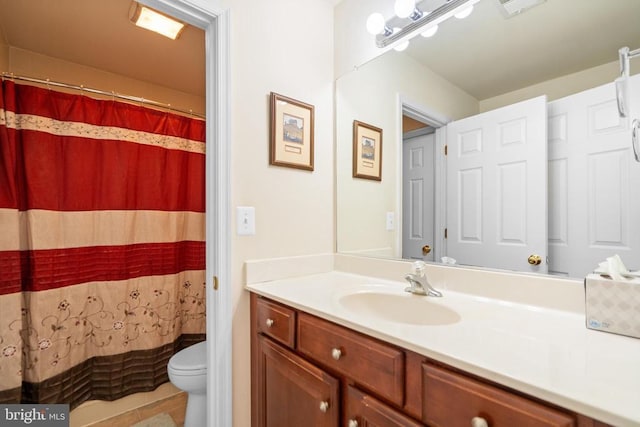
483,67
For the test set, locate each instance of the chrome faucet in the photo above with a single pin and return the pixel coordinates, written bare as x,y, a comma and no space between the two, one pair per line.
419,283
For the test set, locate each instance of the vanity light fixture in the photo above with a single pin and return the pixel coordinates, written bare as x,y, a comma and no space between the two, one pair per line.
150,19
413,18
407,9
464,12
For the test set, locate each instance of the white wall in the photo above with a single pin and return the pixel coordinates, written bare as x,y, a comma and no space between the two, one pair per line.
284,46
371,94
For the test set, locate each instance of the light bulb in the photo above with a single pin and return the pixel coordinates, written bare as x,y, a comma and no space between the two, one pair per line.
375,23
464,12
404,8
430,32
401,46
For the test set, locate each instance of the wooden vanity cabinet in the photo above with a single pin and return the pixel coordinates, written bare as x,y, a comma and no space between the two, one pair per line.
307,371
295,393
452,399
366,361
286,389
363,410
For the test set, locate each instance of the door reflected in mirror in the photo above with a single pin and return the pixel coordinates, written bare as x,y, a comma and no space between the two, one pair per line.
476,205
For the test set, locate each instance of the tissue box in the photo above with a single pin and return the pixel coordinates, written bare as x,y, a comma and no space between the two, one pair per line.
613,306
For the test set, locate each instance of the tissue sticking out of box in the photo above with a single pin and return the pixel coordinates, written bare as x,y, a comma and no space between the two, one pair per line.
614,268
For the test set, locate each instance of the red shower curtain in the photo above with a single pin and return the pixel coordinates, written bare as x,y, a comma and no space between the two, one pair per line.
102,251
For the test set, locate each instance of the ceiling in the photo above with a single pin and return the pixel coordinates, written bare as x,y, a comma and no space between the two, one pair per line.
487,54
98,33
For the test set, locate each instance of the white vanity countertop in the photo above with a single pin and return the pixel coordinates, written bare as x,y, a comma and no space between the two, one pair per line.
543,352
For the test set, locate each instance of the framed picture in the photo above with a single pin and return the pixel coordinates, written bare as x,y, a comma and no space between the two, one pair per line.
291,133
367,151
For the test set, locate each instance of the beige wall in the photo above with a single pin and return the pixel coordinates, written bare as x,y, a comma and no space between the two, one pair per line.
356,46
372,94
560,87
4,55
284,46
31,64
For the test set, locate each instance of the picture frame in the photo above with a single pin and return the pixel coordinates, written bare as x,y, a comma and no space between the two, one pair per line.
367,151
292,133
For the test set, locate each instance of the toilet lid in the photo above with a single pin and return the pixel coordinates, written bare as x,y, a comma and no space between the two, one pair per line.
192,358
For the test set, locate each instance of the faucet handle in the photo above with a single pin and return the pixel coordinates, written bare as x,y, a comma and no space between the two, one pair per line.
418,268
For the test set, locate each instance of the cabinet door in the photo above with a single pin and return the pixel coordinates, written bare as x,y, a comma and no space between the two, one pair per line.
293,392
365,411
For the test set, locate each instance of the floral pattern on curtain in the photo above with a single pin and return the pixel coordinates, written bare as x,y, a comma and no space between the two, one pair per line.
102,247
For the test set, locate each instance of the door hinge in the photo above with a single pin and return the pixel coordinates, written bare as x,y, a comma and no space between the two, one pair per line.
215,283
445,233
446,150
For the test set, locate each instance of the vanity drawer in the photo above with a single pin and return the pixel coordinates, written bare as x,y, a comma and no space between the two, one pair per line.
452,399
370,363
364,410
276,321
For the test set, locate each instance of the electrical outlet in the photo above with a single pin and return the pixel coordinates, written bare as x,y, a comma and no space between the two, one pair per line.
246,218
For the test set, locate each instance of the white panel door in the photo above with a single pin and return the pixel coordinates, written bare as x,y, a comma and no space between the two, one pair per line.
418,205
497,187
593,206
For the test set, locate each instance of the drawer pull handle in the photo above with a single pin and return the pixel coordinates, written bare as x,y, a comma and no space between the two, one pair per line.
479,422
269,323
352,423
324,406
336,353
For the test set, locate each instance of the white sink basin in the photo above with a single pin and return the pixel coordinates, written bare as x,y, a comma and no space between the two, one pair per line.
399,307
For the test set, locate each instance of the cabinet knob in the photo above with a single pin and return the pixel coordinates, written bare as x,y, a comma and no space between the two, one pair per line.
269,323
479,422
336,353
352,423
324,406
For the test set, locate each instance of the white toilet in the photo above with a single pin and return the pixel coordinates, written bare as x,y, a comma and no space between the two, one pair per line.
188,371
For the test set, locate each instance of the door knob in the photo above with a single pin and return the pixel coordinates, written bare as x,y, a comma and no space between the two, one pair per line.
534,259
426,249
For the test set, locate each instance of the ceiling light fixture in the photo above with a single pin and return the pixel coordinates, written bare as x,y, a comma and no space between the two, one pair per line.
413,18
149,19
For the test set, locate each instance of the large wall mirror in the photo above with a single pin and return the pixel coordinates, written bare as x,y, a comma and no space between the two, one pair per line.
539,173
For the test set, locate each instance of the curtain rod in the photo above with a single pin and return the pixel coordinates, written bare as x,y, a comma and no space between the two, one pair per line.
81,88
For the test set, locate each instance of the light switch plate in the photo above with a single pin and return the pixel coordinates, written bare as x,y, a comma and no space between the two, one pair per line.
390,221
246,220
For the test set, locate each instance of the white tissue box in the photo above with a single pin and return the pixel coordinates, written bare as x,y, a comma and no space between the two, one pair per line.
613,306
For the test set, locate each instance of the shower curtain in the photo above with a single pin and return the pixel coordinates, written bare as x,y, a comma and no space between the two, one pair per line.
102,251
